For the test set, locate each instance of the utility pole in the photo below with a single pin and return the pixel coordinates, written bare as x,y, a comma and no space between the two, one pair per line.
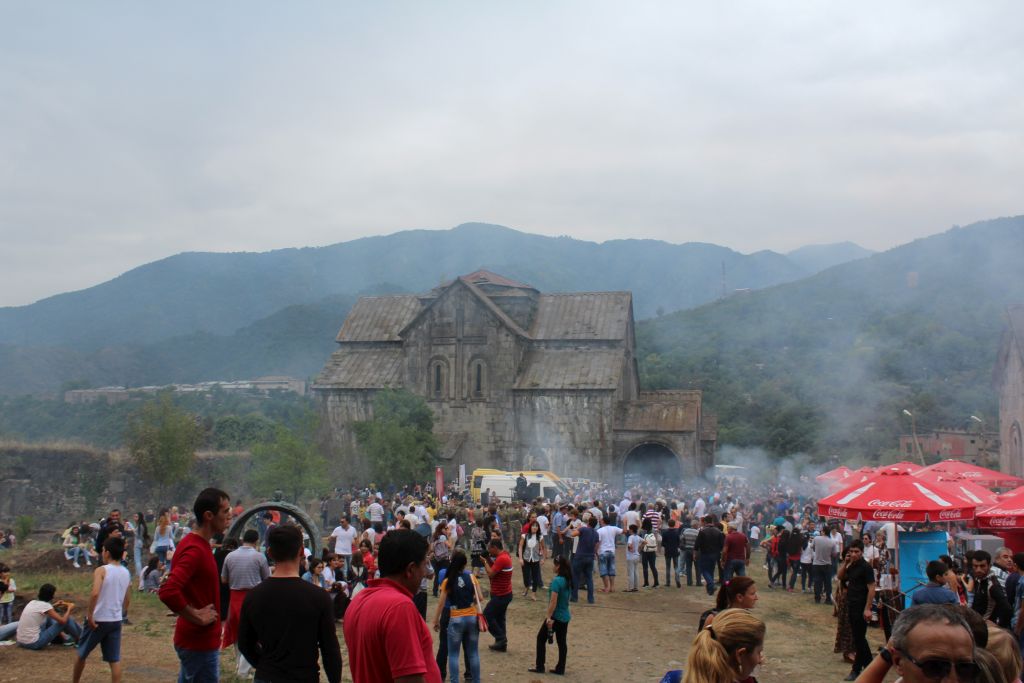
913,432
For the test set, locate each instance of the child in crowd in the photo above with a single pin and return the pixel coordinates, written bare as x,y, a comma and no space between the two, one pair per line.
632,560
108,606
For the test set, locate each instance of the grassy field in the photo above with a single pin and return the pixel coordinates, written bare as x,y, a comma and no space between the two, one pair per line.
624,637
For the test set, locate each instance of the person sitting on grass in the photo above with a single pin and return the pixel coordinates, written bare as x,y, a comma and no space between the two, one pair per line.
41,623
108,607
152,575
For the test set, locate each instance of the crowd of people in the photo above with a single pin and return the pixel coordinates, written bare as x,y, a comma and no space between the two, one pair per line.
279,606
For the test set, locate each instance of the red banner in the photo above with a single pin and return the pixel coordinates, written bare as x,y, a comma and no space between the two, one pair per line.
439,481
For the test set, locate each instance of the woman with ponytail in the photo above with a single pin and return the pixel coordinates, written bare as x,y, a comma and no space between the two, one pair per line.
727,651
740,592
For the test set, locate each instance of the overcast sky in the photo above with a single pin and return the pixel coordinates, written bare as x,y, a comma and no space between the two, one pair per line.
133,131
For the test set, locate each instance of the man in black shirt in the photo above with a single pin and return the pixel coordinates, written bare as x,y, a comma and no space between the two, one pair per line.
989,599
859,578
285,620
708,546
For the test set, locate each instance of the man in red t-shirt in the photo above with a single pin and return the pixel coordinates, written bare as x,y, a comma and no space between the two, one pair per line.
735,554
386,637
192,591
499,570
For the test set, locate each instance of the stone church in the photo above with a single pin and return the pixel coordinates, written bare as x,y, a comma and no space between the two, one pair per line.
517,379
1008,379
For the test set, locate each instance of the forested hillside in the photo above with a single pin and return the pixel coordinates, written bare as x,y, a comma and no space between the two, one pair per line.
826,365
220,293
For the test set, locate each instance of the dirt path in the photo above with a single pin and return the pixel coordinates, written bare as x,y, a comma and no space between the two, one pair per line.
624,637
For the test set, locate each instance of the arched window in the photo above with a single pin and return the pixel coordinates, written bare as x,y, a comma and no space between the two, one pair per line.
477,379
437,379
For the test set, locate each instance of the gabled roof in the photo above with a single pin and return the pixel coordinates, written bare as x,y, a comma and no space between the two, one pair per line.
486,277
362,368
1013,336
481,296
569,369
378,318
586,315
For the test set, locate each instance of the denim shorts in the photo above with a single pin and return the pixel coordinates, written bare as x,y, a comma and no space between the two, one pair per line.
606,564
107,635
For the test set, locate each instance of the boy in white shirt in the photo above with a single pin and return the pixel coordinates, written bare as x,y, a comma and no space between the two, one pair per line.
632,560
108,605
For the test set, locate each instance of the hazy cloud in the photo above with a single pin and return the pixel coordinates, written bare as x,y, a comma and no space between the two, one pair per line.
133,131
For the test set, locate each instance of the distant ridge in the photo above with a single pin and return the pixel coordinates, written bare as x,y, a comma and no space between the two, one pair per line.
222,292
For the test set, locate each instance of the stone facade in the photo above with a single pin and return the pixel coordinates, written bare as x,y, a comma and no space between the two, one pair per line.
1008,379
516,379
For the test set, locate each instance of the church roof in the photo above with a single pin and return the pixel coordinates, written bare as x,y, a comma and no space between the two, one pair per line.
379,318
486,277
585,315
362,368
569,369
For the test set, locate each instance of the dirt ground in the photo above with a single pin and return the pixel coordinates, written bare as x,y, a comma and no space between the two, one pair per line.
623,637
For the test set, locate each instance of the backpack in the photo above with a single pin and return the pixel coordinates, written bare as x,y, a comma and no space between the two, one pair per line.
461,593
440,549
650,543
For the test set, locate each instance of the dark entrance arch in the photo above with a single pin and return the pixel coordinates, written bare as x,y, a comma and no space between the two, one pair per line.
650,462
239,523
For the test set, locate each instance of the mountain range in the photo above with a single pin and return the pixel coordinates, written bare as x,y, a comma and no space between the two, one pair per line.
200,316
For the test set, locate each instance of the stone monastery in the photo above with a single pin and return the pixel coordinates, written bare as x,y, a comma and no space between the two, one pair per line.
517,379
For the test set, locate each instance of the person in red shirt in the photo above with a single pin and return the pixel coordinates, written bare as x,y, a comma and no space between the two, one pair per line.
192,591
735,554
387,639
499,571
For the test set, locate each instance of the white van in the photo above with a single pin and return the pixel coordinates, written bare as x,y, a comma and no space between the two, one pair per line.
503,485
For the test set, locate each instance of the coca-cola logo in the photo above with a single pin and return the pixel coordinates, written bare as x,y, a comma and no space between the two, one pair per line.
836,512
950,514
1003,522
970,475
876,503
888,514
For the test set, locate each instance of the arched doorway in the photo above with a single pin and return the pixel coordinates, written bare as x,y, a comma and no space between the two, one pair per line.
248,519
650,462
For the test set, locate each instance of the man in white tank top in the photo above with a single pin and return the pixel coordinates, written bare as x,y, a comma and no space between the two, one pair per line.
108,606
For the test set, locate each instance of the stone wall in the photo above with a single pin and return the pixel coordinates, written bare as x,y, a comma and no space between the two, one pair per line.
55,485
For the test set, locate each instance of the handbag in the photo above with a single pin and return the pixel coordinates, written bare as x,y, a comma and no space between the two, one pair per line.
481,620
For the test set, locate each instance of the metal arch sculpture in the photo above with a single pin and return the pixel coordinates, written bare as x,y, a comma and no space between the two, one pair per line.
304,520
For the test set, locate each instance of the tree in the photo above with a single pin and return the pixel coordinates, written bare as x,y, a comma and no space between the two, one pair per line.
290,463
399,441
162,440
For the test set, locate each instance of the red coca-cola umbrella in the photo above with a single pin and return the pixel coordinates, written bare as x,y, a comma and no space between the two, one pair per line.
895,495
975,473
968,490
1008,513
862,474
907,465
840,473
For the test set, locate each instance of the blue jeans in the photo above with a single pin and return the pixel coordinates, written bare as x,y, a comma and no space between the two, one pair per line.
137,553
7,631
735,568
198,666
582,572
77,554
707,565
688,563
51,629
463,630
161,552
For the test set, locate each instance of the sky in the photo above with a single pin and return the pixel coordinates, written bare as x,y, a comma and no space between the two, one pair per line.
133,131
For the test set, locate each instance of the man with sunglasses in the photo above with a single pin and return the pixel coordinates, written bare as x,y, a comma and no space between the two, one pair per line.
929,644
